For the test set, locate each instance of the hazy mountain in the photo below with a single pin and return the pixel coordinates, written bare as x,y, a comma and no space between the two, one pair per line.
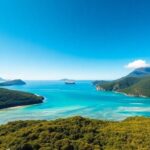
1,79
140,72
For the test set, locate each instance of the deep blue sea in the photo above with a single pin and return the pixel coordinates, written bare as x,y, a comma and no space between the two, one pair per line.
82,99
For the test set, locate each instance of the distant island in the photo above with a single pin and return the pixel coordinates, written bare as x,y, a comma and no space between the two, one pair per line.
68,81
137,83
76,133
12,98
12,82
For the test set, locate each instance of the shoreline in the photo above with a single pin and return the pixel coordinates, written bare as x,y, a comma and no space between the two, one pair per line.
129,95
21,106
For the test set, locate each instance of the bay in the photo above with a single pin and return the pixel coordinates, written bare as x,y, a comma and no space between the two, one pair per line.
82,99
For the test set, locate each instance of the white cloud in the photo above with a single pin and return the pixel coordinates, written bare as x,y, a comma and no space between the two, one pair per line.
137,64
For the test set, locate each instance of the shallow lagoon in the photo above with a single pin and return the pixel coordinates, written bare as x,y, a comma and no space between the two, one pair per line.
63,100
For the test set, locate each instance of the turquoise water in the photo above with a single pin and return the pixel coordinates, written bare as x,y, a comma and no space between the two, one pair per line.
69,100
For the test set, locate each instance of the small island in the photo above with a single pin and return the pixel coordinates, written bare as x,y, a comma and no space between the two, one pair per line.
12,98
12,82
70,82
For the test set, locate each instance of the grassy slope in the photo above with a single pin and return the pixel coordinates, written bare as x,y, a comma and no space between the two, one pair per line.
140,88
10,98
76,133
120,83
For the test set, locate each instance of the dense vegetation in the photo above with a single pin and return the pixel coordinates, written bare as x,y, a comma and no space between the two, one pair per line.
76,133
137,83
141,88
10,98
129,85
12,82
119,84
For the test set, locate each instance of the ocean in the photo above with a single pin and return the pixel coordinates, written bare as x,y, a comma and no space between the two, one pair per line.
81,99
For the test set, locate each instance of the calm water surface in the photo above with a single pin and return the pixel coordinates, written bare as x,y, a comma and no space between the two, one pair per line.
69,100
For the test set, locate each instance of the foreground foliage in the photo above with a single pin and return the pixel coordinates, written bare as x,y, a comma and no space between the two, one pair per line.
76,133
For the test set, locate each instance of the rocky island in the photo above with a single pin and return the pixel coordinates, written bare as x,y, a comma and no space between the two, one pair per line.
12,82
12,98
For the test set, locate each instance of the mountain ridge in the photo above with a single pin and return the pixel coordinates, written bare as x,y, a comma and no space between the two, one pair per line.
140,72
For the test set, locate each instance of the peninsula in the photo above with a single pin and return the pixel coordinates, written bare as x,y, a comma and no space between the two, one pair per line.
137,83
12,98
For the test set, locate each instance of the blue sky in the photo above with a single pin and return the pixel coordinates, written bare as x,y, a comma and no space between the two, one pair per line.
79,39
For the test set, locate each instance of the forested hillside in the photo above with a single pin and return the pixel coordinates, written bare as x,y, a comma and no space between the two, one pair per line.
76,133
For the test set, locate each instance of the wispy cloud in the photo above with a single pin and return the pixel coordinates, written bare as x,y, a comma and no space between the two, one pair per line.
137,64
